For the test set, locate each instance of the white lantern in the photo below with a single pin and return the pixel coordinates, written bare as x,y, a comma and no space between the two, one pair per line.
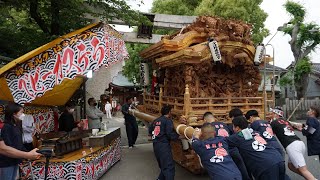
215,51
259,54
144,74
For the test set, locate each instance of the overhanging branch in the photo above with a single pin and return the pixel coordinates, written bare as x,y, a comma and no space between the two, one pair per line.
308,50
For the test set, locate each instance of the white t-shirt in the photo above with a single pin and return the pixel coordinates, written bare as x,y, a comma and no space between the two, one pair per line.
28,128
108,107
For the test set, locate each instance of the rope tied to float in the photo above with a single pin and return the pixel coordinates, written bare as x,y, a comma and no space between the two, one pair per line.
178,127
184,132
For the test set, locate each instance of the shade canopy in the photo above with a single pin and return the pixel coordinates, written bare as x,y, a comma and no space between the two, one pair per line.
50,74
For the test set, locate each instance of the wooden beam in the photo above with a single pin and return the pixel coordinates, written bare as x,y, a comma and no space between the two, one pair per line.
165,21
132,37
160,20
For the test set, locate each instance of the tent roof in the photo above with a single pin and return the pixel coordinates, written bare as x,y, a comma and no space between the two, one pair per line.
55,97
122,81
40,49
61,93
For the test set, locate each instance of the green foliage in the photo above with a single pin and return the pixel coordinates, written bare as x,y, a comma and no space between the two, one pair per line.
132,66
306,35
28,24
296,10
248,11
302,68
286,80
304,39
177,7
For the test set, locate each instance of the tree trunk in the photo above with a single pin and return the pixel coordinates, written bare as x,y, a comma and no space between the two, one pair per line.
36,16
55,18
301,86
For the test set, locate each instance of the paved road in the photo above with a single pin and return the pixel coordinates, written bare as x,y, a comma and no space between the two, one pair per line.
140,164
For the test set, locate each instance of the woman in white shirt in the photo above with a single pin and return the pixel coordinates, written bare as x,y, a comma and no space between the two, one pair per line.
28,130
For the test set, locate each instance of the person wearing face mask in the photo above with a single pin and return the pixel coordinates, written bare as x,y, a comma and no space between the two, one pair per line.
94,114
11,133
130,122
66,120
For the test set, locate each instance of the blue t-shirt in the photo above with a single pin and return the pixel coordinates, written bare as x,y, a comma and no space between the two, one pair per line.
162,130
258,155
265,129
221,129
312,132
214,154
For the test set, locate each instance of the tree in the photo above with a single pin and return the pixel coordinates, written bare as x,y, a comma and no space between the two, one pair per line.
245,10
248,11
27,24
132,66
304,39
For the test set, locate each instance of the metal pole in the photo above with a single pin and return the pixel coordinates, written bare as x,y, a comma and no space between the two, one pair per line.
84,98
273,74
264,83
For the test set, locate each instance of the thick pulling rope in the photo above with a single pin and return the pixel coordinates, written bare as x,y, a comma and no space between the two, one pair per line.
178,127
184,132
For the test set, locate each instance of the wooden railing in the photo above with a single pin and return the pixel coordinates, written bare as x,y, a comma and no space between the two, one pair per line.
198,106
222,106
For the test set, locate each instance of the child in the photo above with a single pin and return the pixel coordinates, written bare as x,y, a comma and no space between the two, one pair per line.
262,160
214,154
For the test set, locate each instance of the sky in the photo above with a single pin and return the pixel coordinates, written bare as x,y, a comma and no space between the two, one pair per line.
277,16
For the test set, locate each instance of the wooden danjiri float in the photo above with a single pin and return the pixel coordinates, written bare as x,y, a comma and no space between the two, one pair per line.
193,83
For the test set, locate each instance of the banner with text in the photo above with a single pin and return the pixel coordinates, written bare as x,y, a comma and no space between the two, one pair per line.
74,55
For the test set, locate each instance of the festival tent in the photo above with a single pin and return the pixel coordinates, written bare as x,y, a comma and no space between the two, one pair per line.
50,74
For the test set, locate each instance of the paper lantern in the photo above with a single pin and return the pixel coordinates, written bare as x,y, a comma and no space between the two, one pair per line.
259,54
215,51
144,74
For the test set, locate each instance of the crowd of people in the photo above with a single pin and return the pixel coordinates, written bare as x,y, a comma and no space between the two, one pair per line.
18,129
247,149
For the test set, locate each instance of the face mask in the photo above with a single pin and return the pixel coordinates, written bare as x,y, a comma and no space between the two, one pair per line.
21,117
71,110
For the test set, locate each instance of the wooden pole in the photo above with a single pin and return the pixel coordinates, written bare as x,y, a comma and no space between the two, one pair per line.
295,109
182,129
186,101
160,100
